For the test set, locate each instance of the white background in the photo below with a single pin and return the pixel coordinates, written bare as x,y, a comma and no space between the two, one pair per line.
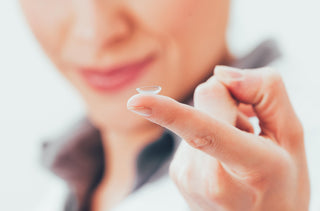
35,102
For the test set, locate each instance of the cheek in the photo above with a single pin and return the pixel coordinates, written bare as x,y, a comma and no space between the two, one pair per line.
48,21
184,18
166,16
196,28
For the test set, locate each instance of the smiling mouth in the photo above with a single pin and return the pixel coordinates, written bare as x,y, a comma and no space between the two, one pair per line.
115,78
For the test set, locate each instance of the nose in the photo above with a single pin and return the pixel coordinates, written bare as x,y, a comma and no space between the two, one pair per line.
99,23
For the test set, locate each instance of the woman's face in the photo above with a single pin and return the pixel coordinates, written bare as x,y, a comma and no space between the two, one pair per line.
107,48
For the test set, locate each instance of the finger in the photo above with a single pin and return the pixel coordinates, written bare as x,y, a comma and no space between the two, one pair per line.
246,109
265,91
202,177
235,148
243,123
213,98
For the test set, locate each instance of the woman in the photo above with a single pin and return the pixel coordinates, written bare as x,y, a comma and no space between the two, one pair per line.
106,49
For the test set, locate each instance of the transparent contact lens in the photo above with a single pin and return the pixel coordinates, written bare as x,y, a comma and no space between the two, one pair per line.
149,90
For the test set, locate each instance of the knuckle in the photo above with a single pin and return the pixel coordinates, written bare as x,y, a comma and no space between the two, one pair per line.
202,142
171,118
202,91
214,143
181,175
215,188
201,88
168,120
259,181
210,88
214,193
237,84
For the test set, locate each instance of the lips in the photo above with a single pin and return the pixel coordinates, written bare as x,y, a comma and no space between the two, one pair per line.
115,78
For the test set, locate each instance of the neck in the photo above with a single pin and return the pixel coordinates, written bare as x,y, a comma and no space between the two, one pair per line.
120,144
121,150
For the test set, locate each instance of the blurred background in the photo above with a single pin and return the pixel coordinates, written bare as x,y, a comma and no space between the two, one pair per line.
36,103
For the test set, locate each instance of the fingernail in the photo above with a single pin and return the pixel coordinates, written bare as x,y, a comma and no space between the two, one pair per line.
141,110
230,73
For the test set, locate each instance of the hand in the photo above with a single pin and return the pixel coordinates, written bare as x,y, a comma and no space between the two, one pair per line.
222,165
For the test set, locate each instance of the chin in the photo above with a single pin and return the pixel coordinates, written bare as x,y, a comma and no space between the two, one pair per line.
122,123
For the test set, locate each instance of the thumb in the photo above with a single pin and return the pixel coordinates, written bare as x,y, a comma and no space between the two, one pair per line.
264,89
213,98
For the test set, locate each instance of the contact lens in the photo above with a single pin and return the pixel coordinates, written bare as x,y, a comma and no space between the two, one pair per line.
149,90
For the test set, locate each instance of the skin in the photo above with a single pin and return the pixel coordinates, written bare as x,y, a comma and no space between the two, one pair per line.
221,167
98,33
79,34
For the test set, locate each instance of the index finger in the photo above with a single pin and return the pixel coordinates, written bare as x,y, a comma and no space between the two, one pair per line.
233,147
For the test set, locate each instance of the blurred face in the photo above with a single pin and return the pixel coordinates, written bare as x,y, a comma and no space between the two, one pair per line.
108,48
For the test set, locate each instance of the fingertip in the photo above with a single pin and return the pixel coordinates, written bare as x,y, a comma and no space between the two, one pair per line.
132,101
140,104
144,100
